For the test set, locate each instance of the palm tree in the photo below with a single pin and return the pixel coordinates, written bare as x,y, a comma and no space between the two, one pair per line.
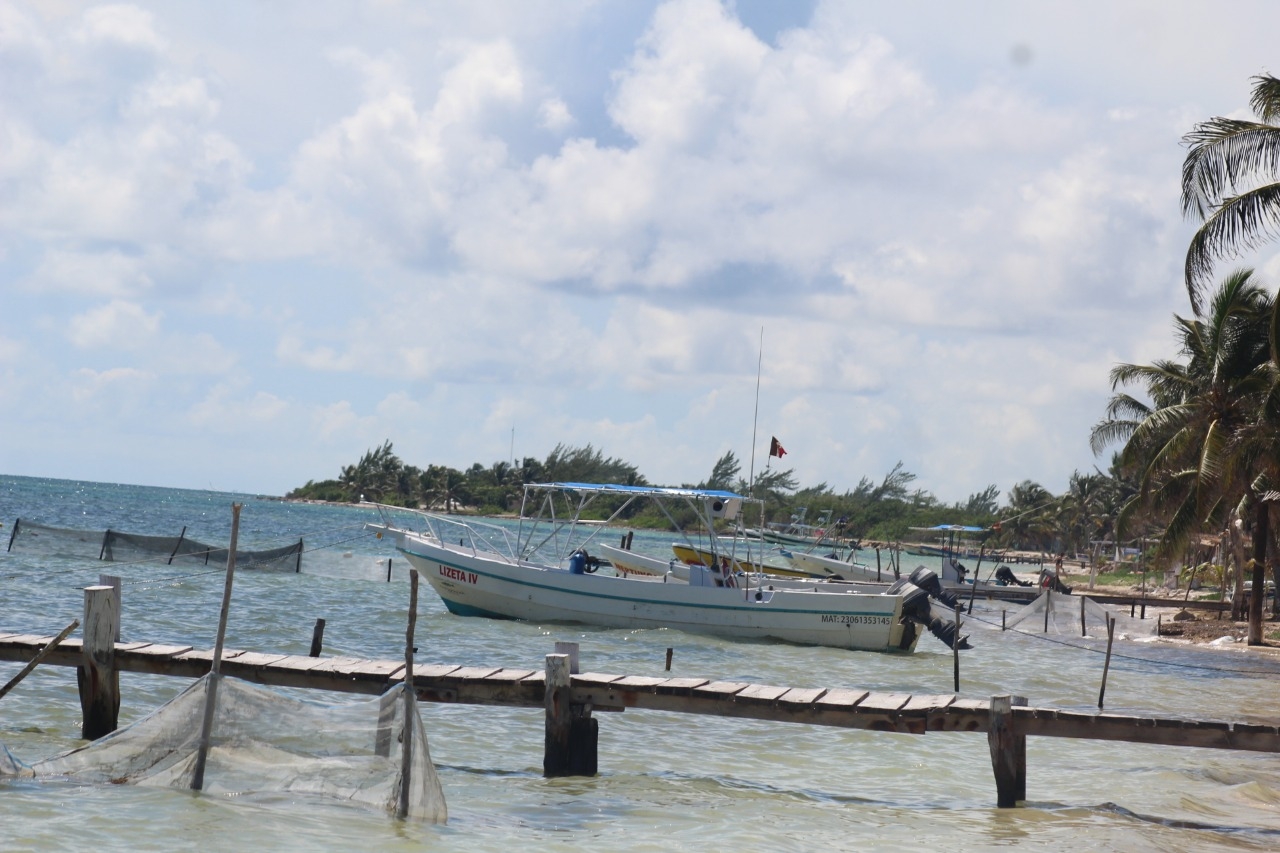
1199,448
1231,181
1027,521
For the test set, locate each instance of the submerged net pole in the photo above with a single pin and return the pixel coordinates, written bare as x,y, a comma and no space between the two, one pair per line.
66,632
211,693
406,752
955,649
1106,664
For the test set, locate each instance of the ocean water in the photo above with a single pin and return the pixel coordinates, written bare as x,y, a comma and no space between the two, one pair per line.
667,781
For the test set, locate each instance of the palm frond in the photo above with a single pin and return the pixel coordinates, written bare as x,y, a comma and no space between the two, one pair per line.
1265,101
1241,223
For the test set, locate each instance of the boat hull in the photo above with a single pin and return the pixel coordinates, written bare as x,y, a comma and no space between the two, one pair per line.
703,557
820,566
478,584
631,563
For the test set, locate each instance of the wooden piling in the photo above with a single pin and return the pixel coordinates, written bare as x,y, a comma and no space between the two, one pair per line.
570,649
555,759
1106,663
114,582
406,736
670,651
955,650
572,736
317,638
1008,752
97,677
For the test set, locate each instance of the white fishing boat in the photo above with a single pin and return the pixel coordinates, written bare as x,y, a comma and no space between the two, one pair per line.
821,565
642,565
541,570
702,555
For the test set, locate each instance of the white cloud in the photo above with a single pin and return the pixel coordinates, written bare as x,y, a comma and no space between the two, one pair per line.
109,273
554,115
433,227
121,24
223,410
105,386
117,325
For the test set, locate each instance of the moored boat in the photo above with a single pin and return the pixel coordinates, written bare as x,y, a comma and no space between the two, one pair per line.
542,571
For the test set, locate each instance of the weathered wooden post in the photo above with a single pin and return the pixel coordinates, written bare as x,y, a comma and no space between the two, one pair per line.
406,747
570,649
1008,752
1106,664
97,677
955,648
215,670
113,581
317,638
572,734
555,758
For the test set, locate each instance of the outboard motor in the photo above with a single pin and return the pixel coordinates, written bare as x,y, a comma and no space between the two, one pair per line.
1005,575
927,580
916,607
580,562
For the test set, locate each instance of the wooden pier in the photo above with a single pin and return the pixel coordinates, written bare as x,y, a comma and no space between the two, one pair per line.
569,699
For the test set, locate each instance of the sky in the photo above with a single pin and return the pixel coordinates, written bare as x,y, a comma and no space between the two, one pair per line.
243,243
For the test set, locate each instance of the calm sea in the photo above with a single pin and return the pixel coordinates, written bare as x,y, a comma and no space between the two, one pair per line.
667,781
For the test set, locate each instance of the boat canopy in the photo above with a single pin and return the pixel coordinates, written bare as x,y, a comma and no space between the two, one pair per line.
952,528
637,491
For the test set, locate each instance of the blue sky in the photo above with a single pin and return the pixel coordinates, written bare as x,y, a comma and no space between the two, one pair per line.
242,243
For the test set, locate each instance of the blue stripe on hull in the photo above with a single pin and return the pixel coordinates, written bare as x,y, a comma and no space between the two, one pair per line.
467,610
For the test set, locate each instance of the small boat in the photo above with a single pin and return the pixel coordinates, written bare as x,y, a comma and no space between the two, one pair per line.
698,555
819,565
797,534
541,570
630,563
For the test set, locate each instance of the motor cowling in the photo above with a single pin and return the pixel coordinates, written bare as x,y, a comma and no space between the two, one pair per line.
917,608
927,579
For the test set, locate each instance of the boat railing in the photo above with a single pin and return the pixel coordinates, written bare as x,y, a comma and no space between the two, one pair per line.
469,534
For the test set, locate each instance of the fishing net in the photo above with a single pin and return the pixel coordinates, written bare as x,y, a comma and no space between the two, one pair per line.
1067,614
118,547
265,742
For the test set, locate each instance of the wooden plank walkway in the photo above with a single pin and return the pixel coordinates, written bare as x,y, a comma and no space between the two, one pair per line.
518,687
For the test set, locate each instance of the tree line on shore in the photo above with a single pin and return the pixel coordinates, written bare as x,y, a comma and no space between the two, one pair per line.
1031,519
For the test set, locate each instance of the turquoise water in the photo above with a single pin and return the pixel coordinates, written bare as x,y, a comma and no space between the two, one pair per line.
666,781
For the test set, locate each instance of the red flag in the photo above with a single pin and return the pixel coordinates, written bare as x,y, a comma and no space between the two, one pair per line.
776,449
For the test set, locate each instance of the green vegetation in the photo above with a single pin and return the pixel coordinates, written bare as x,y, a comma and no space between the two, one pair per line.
886,510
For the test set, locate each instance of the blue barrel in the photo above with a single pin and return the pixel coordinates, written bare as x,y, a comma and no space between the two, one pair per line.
577,563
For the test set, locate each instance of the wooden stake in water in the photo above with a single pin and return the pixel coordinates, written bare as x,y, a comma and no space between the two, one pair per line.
211,696
66,632
406,754
955,649
1106,664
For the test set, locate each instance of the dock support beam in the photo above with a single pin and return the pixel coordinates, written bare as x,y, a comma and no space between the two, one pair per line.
1008,752
573,735
98,678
